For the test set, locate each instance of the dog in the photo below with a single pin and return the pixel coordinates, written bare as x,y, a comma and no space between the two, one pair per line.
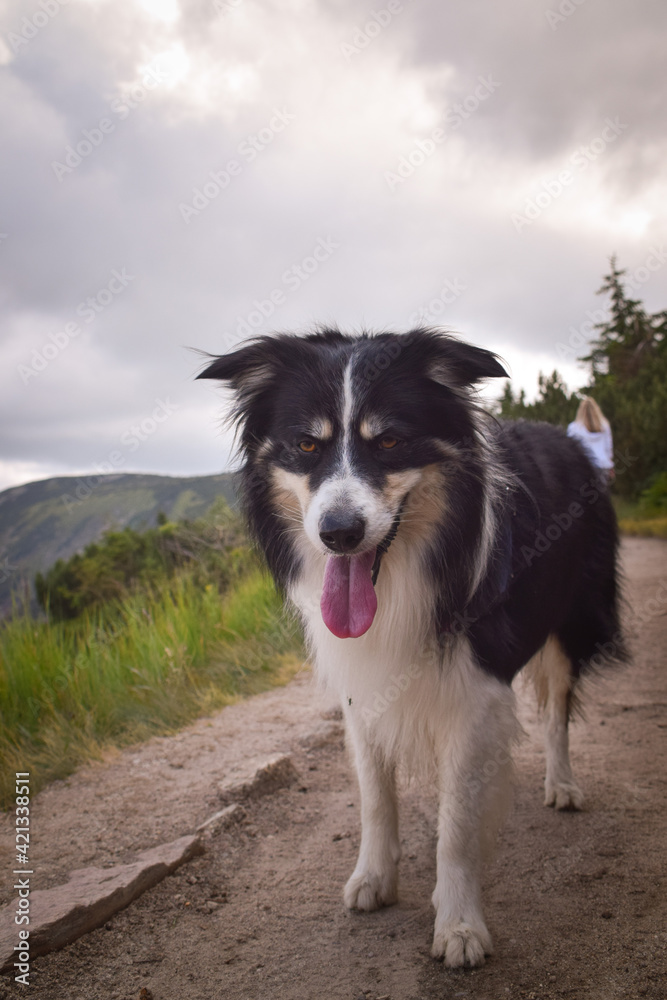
432,551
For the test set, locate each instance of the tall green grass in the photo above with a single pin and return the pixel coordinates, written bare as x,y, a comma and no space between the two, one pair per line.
71,691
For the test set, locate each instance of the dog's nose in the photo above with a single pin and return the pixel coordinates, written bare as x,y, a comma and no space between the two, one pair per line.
342,533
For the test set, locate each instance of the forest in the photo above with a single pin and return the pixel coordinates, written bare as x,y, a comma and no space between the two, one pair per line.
627,376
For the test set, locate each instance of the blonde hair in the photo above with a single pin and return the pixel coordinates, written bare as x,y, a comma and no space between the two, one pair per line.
590,415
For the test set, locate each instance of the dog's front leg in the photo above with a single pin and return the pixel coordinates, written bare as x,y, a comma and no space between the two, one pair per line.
374,881
460,935
474,767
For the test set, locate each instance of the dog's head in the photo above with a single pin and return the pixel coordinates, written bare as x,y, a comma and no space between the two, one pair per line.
345,428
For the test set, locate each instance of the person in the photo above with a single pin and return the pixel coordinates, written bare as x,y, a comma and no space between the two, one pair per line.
592,429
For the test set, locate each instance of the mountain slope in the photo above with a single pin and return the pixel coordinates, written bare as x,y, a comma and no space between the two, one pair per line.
54,518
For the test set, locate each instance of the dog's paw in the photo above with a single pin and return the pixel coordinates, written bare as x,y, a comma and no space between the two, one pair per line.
460,944
563,795
371,890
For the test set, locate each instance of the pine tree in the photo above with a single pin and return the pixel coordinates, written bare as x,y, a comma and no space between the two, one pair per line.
628,378
506,402
553,403
629,339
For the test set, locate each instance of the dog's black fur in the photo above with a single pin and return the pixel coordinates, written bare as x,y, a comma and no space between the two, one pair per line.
495,544
561,532
553,566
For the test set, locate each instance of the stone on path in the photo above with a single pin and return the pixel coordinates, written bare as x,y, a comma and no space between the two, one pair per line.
60,915
276,772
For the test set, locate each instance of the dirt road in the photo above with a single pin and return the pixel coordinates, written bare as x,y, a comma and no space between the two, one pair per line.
576,902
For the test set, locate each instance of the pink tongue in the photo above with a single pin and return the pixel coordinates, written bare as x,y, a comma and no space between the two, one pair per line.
348,598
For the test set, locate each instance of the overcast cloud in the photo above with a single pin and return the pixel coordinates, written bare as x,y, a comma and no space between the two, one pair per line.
180,174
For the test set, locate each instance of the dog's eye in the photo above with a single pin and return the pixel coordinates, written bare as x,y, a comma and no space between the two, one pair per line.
308,446
388,442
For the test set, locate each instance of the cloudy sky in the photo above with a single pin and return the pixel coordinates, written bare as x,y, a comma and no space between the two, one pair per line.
183,173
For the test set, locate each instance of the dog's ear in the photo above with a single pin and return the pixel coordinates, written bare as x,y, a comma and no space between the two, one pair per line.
251,372
456,364
248,370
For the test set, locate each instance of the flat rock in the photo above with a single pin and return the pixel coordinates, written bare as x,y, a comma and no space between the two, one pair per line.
277,771
211,827
60,915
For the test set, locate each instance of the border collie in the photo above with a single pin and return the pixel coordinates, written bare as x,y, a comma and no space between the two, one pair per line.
432,552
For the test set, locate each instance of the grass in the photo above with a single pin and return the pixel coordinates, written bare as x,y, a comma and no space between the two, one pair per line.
645,527
632,520
71,691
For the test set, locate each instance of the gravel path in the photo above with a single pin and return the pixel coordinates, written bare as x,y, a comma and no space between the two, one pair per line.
575,901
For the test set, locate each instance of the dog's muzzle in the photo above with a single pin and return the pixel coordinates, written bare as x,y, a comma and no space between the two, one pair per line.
348,601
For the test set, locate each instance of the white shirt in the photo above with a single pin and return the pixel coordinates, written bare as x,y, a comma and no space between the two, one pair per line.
598,444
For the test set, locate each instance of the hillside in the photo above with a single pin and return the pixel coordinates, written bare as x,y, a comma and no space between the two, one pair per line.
54,518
